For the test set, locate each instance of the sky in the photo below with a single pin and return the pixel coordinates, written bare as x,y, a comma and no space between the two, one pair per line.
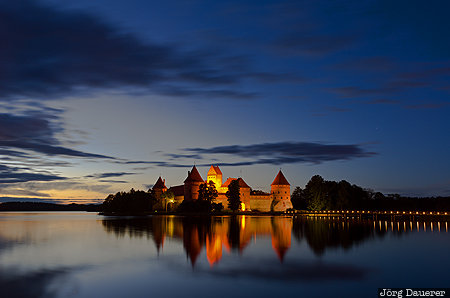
100,96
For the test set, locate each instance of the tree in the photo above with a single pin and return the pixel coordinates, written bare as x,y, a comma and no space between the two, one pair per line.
315,191
207,192
129,202
298,199
233,195
344,195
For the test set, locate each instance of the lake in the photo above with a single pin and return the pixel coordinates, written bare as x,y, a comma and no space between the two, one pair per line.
79,254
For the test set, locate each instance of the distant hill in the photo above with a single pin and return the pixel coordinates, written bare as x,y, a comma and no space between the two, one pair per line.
39,206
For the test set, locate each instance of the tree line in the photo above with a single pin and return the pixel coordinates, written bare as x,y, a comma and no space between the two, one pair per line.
130,202
320,194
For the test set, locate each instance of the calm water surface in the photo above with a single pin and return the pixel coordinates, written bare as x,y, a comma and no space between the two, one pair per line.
77,254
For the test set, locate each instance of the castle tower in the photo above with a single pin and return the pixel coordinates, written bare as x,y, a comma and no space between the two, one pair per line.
159,188
281,193
215,175
192,184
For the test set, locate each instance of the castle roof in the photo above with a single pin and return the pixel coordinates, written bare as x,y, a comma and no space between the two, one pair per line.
159,184
280,179
241,182
214,170
193,176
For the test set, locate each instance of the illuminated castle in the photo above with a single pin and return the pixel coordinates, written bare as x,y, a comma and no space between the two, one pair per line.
277,200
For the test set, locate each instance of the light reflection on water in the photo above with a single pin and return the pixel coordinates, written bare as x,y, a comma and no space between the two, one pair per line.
76,254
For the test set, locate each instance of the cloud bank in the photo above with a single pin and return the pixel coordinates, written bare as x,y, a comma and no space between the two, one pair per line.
51,53
287,152
263,154
35,133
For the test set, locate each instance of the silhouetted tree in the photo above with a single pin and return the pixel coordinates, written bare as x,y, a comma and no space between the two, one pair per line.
129,202
233,195
343,195
320,194
379,196
316,193
207,192
298,199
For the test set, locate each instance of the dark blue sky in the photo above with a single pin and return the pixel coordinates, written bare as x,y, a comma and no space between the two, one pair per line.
99,96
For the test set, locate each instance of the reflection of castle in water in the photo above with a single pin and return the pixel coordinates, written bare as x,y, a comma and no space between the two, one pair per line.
232,233
235,233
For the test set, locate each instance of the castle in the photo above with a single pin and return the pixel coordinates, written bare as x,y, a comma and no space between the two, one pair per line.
278,200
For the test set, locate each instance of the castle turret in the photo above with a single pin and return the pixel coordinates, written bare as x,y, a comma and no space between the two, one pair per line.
192,184
215,175
159,188
281,193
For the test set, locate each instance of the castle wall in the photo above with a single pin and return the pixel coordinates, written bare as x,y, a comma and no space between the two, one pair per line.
260,203
244,196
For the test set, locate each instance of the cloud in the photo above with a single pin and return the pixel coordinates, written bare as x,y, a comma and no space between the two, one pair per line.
205,93
113,181
337,109
356,91
52,53
29,199
367,64
267,77
288,152
313,44
22,192
12,153
266,153
161,164
382,101
50,149
34,132
15,175
430,105
61,185
109,175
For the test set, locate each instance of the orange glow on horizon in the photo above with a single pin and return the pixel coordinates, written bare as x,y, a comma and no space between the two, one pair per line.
66,196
